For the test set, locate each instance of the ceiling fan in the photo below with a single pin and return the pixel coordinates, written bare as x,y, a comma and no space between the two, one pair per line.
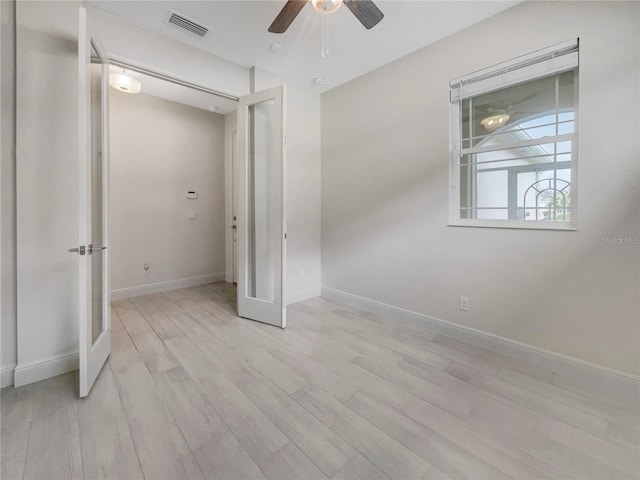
364,10
495,117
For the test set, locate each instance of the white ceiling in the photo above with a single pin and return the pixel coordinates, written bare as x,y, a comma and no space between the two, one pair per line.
181,94
238,33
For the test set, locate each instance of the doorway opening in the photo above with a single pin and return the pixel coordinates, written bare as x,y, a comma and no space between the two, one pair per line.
169,185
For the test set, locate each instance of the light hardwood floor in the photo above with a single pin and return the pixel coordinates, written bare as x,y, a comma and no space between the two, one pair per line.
193,391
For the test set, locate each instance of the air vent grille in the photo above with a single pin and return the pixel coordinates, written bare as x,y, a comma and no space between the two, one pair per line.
187,24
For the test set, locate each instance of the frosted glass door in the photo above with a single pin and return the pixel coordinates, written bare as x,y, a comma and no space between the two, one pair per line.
261,213
93,139
98,224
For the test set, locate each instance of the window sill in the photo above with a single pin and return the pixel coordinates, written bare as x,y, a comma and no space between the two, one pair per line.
514,224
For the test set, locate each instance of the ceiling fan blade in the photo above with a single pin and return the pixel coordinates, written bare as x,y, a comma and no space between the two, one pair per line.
365,11
524,99
287,15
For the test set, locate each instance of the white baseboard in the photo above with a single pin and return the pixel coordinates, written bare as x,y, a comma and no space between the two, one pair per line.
140,290
26,373
302,295
7,376
615,380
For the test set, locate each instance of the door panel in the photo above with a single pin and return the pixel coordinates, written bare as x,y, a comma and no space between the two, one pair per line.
261,225
93,136
234,202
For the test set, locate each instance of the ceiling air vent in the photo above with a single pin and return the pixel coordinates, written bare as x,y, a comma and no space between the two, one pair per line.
185,23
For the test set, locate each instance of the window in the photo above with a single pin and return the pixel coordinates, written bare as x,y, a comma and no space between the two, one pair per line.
513,143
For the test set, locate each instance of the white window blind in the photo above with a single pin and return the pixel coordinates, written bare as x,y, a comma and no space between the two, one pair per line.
548,61
513,142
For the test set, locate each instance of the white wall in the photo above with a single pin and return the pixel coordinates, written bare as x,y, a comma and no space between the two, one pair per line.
159,150
7,192
384,192
303,194
47,179
302,118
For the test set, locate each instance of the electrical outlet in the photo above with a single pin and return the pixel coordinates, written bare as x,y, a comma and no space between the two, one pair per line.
464,303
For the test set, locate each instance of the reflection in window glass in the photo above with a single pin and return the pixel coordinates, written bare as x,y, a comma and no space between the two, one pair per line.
516,149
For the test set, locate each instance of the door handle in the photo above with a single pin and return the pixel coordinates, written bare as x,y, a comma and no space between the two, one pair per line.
92,249
79,250
234,227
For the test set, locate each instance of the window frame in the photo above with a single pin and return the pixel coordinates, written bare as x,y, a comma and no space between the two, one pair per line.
527,63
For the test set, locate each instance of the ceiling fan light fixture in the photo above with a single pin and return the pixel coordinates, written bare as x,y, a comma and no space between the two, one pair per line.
124,83
326,6
494,122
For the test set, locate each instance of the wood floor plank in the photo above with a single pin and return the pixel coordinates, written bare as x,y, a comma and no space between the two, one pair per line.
536,402
154,353
597,392
203,317
156,318
213,303
625,436
513,413
383,451
54,442
255,431
193,412
479,443
458,404
326,449
363,379
242,332
581,402
315,373
196,363
359,468
217,451
566,461
433,448
606,452
225,458
513,364
406,342
176,295
184,321
291,338
131,318
16,405
272,368
435,473
161,448
106,443
290,463
350,345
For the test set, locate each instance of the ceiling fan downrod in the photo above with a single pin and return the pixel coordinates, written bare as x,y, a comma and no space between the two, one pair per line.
325,37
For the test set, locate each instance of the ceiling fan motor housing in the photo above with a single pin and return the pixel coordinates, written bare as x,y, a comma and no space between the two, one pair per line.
326,6
364,10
